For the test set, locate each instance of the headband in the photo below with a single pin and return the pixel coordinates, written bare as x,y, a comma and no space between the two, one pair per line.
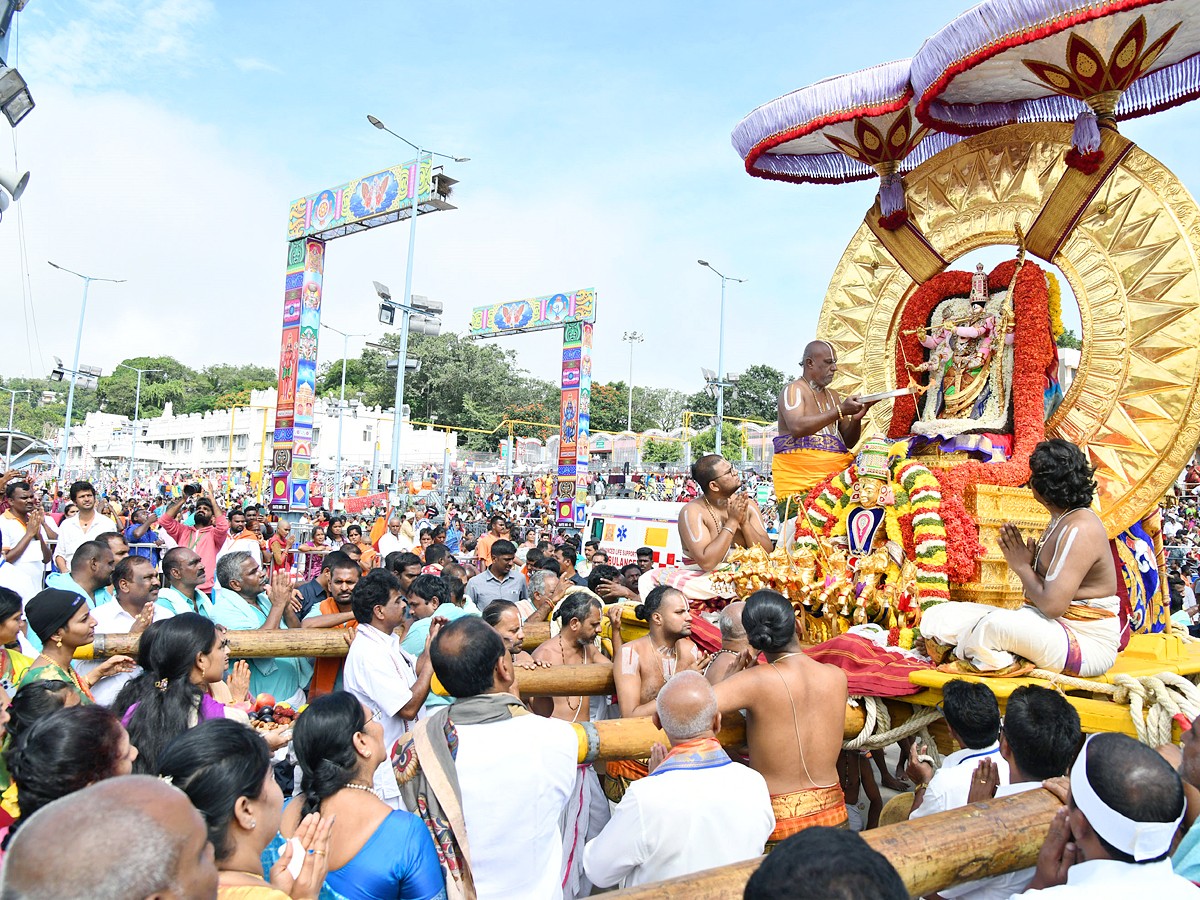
1141,840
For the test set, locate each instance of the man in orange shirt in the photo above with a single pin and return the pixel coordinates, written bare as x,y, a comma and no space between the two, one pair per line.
497,526
335,611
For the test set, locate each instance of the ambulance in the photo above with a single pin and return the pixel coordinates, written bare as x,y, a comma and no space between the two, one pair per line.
622,526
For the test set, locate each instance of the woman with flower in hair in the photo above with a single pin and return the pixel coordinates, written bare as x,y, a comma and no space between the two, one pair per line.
1070,621
187,655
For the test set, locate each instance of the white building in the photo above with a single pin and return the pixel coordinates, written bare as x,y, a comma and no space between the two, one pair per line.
240,440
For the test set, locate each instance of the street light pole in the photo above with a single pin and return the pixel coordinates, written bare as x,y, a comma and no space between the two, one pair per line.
720,356
137,408
337,486
87,280
12,408
632,337
408,298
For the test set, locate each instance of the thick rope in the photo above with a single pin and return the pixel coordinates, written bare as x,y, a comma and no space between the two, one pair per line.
1153,700
877,731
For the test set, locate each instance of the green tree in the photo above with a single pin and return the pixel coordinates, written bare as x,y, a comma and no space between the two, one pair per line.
1068,340
609,407
117,392
658,408
756,394
662,452
706,441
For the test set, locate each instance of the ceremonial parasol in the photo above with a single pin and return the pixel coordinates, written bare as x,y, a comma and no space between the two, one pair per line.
1007,61
842,129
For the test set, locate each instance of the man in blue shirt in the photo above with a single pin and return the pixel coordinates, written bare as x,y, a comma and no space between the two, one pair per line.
242,604
139,531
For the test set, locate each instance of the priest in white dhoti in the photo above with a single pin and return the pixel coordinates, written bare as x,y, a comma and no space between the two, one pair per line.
721,518
1070,622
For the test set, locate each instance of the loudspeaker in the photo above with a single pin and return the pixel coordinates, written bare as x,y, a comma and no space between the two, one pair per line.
13,183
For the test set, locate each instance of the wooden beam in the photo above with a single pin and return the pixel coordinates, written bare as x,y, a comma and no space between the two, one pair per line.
930,853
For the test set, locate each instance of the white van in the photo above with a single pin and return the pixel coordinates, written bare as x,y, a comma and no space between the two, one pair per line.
622,526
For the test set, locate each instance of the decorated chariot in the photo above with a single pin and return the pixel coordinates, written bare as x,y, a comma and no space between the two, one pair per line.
1002,130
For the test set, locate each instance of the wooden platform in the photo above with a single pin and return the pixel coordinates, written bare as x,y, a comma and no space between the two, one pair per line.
1146,655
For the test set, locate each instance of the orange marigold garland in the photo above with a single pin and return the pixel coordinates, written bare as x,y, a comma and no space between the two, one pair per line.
917,518
1033,353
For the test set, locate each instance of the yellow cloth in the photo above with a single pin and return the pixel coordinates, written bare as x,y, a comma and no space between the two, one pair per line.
798,471
250,892
9,801
803,809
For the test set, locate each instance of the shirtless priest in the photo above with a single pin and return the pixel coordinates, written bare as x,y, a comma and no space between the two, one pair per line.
643,666
795,712
722,517
1070,622
817,428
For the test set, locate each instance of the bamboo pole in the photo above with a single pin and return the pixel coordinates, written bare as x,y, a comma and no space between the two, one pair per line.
930,853
242,644
536,634
611,739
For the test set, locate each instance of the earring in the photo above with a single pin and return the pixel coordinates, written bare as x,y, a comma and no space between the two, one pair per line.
253,824
58,641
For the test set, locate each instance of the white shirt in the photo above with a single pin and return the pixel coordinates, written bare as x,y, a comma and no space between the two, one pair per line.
950,785
1102,879
379,673
516,777
111,618
14,579
656,832
998,887
71,534
30,563
390,543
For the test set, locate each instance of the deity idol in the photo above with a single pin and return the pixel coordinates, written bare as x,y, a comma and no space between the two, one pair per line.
969,368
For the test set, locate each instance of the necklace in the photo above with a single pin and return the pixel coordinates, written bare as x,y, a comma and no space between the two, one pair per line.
361,787
1050,530
562,649
784,656
817,394
257,875
713,513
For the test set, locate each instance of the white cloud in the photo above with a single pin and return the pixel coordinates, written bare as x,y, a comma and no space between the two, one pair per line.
253,64
113,40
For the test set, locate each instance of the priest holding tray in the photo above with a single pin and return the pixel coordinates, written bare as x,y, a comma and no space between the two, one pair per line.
817,428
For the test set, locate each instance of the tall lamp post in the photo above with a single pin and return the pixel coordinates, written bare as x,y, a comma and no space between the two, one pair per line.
720,354
631,337
87,280
137,408
408,297
12,408
337,485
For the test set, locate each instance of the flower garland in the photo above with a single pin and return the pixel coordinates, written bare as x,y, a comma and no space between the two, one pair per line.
923,528
915,522
1054,304
1033,354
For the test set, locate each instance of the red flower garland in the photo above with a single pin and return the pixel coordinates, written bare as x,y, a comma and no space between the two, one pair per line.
1033,352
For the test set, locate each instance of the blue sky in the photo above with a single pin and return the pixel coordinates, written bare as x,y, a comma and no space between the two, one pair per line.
171,135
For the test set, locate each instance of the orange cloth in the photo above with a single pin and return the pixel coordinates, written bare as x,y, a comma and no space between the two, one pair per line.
483,549
378,530
803,809
619,774
327,668
798,471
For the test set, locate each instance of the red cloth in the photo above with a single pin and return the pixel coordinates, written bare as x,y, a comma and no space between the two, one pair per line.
705,635
870,670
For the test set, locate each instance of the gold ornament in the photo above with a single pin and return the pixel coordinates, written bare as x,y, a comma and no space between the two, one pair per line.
1131,260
